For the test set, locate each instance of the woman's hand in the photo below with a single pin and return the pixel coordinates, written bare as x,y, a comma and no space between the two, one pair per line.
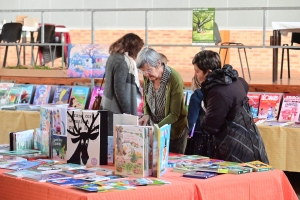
144,120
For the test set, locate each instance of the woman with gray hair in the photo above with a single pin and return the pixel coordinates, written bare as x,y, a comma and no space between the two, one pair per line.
163,97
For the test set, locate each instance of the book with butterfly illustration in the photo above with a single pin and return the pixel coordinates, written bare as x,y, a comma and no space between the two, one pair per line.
62,94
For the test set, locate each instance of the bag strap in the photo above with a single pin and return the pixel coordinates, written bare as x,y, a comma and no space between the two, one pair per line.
102,80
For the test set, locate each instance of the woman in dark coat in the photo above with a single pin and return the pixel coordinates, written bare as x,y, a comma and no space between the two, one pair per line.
227,117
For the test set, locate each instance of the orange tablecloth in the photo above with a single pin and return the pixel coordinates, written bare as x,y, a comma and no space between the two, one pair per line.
264,185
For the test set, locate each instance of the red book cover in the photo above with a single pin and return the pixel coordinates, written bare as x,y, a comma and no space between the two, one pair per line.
290,108
254,103
269,106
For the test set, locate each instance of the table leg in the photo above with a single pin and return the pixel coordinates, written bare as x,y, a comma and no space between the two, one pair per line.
24,40
276,42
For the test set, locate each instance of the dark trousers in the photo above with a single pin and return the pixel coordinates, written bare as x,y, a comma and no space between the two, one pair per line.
178,145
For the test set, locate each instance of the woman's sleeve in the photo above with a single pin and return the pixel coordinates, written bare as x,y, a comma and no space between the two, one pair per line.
194,108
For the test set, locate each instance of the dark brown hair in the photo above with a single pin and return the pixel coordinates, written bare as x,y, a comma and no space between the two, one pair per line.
207,60
130,43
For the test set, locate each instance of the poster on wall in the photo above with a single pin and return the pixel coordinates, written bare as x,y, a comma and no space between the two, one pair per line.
203,26
87,60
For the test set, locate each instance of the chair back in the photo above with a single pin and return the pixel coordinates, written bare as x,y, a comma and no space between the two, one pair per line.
11,32
49,32
295,38
217,35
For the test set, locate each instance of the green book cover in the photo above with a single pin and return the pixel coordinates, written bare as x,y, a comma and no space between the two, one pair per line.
203,25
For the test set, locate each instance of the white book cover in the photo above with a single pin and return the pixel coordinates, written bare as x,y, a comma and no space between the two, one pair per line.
24,140
83,140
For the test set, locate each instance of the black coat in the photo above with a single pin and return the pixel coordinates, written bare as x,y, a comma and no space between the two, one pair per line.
229,119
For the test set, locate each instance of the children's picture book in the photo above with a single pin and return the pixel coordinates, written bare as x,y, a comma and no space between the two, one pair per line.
199,174
106,186
101,171
77,172
48,169
290,108
69,166
258,166
23,165
163,138
59,147
254,98
96,98
15,94
62,94
45,177
83,140
129,152
4,92
27,94
269,106
87,60
68,181
42,94
22,173
95,178
79,96
110,149
203,26
21,140
43,134
20,152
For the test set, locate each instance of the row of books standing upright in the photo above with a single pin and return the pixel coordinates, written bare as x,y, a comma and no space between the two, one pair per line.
82,97
275,106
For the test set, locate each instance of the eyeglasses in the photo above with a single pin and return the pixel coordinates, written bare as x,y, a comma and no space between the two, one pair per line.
148,71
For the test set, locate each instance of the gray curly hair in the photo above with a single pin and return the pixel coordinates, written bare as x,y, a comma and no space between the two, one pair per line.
149,56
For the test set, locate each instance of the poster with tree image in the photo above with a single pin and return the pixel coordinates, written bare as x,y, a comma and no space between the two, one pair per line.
203,26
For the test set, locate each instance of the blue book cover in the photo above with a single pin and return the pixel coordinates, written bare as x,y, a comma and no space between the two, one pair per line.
79,96
199,174
42,94
163,137
27,94
23,165
62,94
45,177
68,181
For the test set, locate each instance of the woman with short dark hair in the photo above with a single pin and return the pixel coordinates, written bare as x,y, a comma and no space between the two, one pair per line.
122,87
228,117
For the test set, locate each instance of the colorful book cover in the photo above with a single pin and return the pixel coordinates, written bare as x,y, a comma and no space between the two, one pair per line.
42,94
69,166
46,177
269,106
290,108
4,92
68,181
95,178
77,172
101,171
258,166
15,94
163,137
83,140
199,174
59,120
203,25
87,60
129,152
254,103
79,96
44,133
62,94
27,94
59,147
23,165
94,102
107,186
23,140
110,149
22,173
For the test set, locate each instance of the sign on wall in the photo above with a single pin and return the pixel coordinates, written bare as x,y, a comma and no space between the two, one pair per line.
203,26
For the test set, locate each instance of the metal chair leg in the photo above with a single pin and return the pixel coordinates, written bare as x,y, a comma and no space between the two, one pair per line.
5,55
18,55
247,63
241,62
32,56
51,56
282,57
288,56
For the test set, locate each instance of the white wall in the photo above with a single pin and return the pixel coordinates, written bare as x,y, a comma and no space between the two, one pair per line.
156,19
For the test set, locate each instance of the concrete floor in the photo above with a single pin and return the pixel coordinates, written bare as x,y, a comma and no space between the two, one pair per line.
294,178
